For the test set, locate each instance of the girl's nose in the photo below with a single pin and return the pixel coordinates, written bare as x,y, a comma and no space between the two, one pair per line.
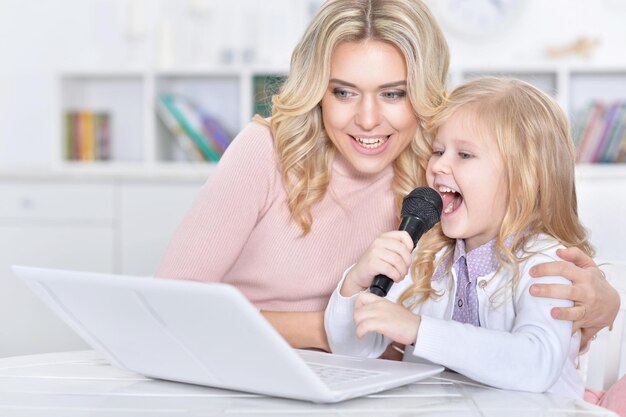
368,115
439,164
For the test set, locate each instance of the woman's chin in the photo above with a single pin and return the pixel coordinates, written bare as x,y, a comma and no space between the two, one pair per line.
369,165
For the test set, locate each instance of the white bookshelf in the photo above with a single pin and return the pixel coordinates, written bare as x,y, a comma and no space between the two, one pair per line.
140,141
573,86
120,93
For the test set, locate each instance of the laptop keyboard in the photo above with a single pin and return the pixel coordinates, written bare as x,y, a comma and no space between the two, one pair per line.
333,375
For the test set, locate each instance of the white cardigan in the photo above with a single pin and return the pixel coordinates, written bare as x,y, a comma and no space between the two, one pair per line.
517,346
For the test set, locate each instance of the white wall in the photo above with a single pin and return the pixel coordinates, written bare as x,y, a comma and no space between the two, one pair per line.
547,23
41,37
37,38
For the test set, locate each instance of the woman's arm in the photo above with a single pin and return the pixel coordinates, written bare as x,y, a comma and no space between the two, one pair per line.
596,303
302,329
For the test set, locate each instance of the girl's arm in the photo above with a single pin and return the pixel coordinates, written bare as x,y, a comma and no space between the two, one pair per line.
389,254
596,302
341,328
531,356
212,234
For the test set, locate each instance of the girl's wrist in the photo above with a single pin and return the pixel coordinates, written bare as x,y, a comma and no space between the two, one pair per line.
349,287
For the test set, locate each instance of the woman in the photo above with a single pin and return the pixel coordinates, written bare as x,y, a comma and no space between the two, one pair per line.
298,198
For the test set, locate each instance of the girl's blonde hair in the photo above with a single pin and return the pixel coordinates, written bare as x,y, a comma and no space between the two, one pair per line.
304,151
533,137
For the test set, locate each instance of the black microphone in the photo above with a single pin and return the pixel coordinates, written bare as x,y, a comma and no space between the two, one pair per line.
421,210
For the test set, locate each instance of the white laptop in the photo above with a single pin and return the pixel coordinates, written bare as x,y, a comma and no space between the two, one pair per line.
206,334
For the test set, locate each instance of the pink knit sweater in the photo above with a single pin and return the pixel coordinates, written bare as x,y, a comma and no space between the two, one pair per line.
239,229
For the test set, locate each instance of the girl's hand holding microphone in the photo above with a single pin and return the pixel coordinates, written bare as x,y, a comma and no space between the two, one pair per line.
390,255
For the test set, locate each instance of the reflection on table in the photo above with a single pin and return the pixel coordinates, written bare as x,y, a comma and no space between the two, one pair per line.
82,383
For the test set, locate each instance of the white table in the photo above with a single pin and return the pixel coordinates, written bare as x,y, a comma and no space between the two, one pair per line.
71,384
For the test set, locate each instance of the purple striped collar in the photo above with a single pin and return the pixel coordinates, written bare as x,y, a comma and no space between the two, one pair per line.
480,262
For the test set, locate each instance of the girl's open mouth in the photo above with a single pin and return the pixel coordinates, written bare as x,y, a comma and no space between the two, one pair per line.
451,198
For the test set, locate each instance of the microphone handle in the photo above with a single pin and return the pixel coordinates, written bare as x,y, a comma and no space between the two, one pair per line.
380,285
416,228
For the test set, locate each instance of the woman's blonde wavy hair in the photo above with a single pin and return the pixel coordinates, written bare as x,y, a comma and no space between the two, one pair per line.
304,151
533,137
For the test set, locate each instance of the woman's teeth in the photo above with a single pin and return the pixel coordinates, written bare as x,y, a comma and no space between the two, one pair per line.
371,143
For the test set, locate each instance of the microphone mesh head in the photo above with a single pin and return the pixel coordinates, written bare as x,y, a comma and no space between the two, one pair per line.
424,203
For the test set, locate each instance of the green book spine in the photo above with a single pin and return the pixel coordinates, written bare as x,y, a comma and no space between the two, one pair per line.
197,137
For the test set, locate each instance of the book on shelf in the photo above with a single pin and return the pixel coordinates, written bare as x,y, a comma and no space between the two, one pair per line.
617,138
621,157
189,150
215,130
579,123
87,135
103,136
610,114
588,133
199,134
599,132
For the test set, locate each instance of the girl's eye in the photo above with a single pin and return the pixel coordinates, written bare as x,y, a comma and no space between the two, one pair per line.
437,153
342,93
464,155
394,95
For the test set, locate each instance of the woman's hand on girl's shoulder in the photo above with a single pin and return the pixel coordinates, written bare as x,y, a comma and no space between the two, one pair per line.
596,302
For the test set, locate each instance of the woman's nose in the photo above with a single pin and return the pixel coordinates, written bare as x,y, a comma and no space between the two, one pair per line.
368,115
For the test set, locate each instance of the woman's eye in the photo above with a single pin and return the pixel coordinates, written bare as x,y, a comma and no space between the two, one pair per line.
394,95
437,153
341,93
465,155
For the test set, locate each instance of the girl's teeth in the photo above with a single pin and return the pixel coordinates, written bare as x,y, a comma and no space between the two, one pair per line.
449,208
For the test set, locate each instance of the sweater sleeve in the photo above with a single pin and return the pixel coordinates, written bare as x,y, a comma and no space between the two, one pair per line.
530,357
226,210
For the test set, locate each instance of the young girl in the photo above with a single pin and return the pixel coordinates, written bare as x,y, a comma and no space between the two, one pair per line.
502,159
